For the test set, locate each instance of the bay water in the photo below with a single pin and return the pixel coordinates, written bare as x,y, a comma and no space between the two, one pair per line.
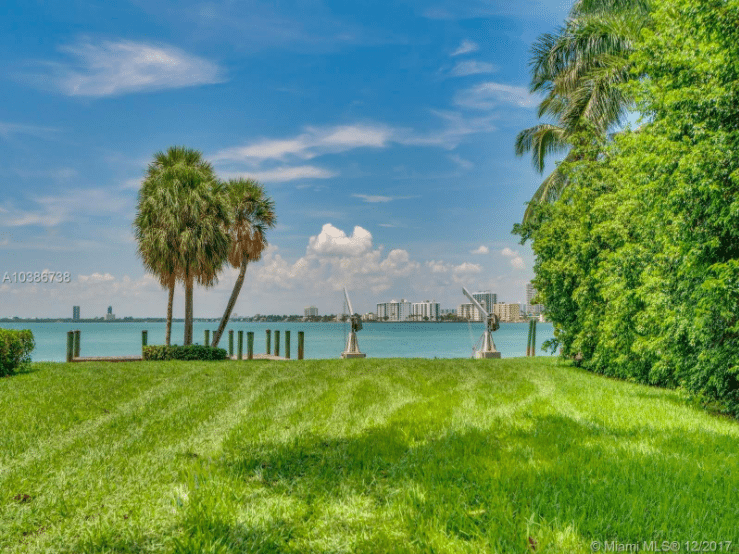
322,340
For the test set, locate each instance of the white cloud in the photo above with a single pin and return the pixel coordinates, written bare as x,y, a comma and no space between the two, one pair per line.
95,278
283,174
333,241
313,142
377,198
465,47
461,162
119,67
482,249
515,258
487,96
9,129
74,204
471,67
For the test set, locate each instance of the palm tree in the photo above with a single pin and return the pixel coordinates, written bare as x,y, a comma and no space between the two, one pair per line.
252,213
193,217
580,70
153,227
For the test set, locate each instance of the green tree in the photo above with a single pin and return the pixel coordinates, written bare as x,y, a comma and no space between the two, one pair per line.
252,214
580,70
154,228
195,212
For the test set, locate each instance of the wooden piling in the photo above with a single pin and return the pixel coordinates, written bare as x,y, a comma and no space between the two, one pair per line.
301,344
533,338
206,337
77,341
277,342
230,343
70,346
240,346
144,340
269,341
250,345
287,344
528,340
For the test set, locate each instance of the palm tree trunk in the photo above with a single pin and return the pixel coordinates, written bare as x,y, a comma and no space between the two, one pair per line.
231,302
188,310
170,303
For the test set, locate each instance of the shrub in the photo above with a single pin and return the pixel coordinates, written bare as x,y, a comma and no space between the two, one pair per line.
176,352
15,350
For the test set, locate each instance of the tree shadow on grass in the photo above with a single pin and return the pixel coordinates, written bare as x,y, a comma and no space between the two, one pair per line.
559,482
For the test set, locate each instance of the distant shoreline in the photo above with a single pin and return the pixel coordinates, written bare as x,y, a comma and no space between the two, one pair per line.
206,320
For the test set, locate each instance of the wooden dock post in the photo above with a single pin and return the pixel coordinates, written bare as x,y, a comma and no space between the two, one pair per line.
277,342
240,346
70,346
230,342
206,336
144,340
77,339
269,341
301,344
250,345
528,339
287,344
533,337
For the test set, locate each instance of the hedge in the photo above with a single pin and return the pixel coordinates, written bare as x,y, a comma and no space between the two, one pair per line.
15,350
176,352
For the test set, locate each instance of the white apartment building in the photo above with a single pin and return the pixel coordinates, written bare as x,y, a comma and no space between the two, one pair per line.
394,310
470,312
369,316
428,310
311,311
534,309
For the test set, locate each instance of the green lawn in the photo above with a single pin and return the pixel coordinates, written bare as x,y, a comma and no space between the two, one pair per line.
356,456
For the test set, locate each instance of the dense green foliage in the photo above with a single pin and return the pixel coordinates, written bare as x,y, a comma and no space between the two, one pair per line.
638,263
15,350
369,456
189,352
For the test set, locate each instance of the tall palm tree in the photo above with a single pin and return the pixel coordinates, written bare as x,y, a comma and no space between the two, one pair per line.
194,217
153,227
252,213
580,69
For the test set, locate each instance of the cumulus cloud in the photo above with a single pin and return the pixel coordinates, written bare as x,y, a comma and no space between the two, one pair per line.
119,67
375,198
466,47
487,96
514,258
333,241
482,249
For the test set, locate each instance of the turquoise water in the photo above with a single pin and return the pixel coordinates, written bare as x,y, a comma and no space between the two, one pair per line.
322,340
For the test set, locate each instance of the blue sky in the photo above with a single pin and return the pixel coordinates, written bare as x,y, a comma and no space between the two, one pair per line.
383,130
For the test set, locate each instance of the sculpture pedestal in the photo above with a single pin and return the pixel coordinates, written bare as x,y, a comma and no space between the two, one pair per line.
479,354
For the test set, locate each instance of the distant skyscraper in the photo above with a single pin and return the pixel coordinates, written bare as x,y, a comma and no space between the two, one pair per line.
426,310
486,298
394,310
75,312
311,311
110,309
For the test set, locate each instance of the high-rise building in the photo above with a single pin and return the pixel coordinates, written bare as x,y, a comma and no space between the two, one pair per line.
110,316
394,310
75,313
310,311
110,309
428,310
486,299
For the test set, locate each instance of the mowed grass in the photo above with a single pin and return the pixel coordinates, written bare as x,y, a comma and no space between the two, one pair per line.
513,455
